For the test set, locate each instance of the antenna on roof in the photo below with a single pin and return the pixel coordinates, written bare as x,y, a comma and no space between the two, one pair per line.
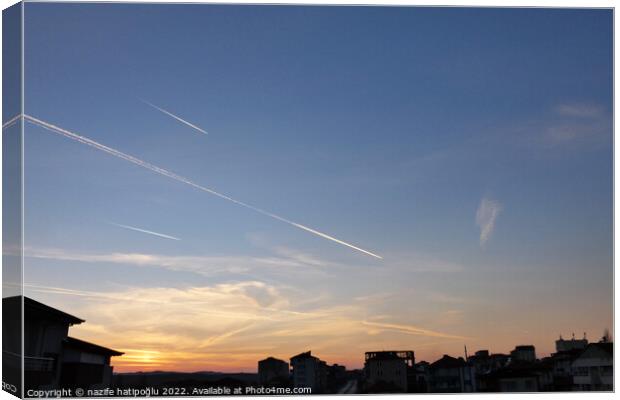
466,358
573,335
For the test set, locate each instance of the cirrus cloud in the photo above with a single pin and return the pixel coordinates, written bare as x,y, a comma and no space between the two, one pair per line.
487,214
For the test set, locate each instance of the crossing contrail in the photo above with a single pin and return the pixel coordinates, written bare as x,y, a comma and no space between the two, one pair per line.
11,121
181,120
172,175
133,228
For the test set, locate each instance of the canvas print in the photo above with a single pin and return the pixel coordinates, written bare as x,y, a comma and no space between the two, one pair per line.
228,199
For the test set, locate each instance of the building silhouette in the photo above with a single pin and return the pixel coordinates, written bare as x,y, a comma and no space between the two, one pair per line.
524,353
309,371
575,366
389,371
452,375
572,344
53,359
86,364
272,371
484,362
593,368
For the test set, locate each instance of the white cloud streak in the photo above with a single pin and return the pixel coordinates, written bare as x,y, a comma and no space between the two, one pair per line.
181,120
410,330
133,228
579,121
579,110
487,214
178,178
10,122
202,265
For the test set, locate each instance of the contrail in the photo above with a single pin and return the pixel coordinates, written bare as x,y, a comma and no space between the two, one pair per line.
11,121
175,117
133,228
172,175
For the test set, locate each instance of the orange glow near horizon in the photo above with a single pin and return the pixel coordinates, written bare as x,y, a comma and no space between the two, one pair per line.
229,327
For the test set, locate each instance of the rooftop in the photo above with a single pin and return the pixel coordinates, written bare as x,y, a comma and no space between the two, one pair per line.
525,347
448,362
272,359
90,347
607,347
34,307
307,354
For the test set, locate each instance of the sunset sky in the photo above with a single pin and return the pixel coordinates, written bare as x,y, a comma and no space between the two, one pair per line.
470,149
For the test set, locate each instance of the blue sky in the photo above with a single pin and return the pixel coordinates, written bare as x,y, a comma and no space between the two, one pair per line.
389,128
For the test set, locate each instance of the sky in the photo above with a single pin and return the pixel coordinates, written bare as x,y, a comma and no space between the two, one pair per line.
470,150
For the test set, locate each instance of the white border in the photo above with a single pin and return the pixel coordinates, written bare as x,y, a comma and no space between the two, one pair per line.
462,3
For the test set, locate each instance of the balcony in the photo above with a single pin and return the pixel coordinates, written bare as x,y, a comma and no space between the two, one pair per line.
39,364
37,370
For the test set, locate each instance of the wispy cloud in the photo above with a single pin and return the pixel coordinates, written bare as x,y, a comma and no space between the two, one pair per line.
202,265
178,178
181,120
133,228
487,214
575,121
244,321
411,330
300,257
579,110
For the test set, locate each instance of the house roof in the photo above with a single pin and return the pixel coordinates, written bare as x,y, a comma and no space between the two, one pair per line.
90,347
607,347
566,354
272,359
448,362
307,354
34,308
